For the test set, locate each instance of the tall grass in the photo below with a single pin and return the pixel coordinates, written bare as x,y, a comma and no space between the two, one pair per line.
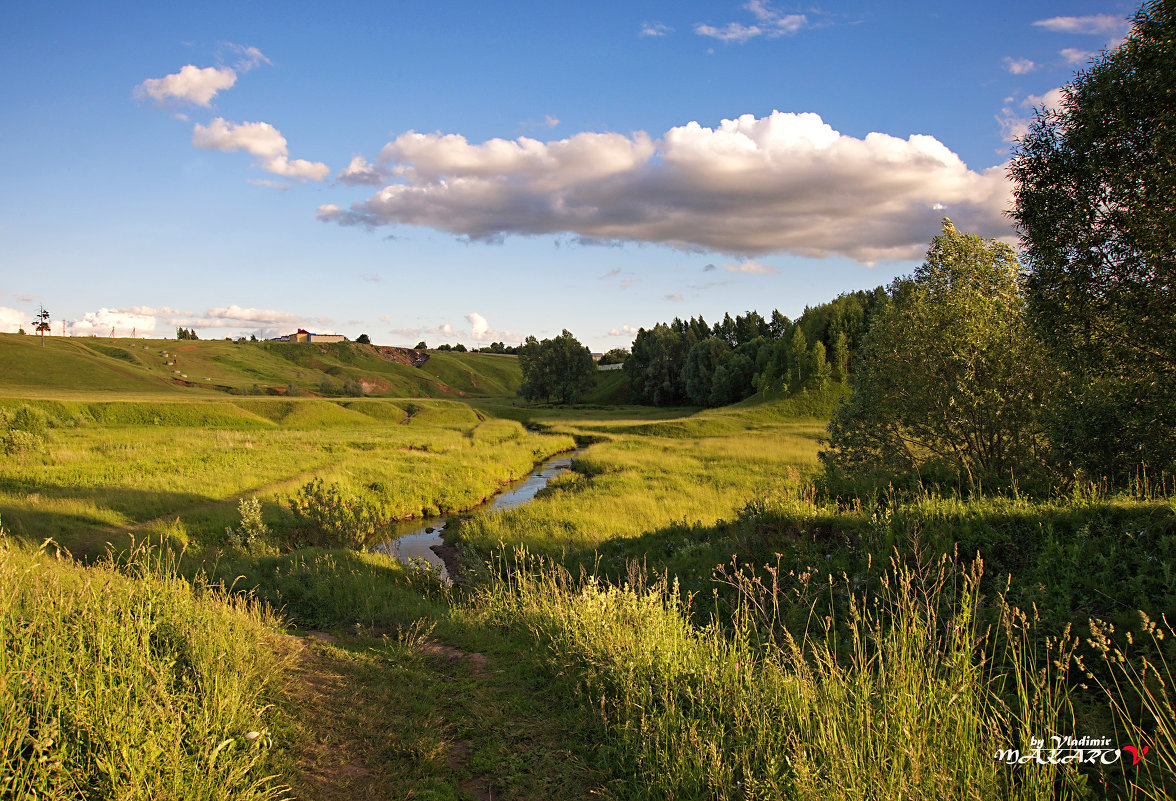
896,696
127,682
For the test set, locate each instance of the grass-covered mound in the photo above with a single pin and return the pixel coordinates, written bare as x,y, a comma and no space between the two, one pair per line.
86,367
128,682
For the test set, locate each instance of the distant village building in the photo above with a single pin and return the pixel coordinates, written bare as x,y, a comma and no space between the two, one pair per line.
302,335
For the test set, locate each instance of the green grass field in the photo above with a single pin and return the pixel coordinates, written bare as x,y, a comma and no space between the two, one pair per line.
682,615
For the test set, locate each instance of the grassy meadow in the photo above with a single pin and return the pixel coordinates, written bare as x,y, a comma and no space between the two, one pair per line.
685,614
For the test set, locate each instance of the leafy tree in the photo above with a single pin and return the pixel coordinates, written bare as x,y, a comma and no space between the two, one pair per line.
655,367
703,360
41,324
1096,209
949,376
421,345
363,339
559,368
732,380
840,355
817,366
614,356
795,356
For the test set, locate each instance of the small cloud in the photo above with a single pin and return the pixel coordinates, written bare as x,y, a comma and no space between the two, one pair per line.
1014,122
709,268
1019,66
751,267
480,330
279,185
624,330
248,57
626,282
771,23
550,121
731,32
655,29
373,278
360,173
1049,100
675,297
24,297
263,141
613,273
1074,57
1094,24
191,84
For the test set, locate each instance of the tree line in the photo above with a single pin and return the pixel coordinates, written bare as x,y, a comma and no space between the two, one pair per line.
690,362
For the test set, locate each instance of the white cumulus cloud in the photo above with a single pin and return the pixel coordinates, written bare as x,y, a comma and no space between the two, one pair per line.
480,330
191,84
263,141
749,186
654,29
116,322
12,320
624,330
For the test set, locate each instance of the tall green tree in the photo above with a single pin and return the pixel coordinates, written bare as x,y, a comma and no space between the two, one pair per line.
1096,208
948,376
559,368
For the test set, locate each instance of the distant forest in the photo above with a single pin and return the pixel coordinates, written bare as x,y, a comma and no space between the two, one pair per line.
691,362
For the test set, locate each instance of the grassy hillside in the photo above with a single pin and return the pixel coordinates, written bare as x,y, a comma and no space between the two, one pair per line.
73,367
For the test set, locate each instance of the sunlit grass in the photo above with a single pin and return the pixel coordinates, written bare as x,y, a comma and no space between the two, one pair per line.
130,683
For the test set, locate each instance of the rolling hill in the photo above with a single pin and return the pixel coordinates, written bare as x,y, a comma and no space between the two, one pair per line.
88,367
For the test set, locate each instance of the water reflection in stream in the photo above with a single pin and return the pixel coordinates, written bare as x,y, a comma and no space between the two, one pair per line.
415,539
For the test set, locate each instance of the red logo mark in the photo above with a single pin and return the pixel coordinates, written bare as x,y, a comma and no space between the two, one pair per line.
1136,754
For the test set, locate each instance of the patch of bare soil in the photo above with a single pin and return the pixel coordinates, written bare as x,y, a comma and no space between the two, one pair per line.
406,356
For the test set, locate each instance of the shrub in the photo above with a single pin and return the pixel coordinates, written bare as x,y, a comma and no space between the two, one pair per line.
253,529
326,516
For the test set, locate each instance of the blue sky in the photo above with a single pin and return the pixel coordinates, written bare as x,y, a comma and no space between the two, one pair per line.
472,172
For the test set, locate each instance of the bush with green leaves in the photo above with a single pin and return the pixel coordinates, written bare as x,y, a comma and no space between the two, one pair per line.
252,530
328,516
23,430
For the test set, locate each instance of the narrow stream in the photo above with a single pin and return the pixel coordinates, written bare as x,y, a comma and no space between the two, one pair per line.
415,539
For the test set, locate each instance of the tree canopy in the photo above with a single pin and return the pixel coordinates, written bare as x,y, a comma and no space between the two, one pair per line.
559,368
1096,209
948,378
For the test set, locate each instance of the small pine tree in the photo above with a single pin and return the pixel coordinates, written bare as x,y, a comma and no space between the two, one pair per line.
41,323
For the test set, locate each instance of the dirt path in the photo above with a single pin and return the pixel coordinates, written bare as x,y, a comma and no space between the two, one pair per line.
417,718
